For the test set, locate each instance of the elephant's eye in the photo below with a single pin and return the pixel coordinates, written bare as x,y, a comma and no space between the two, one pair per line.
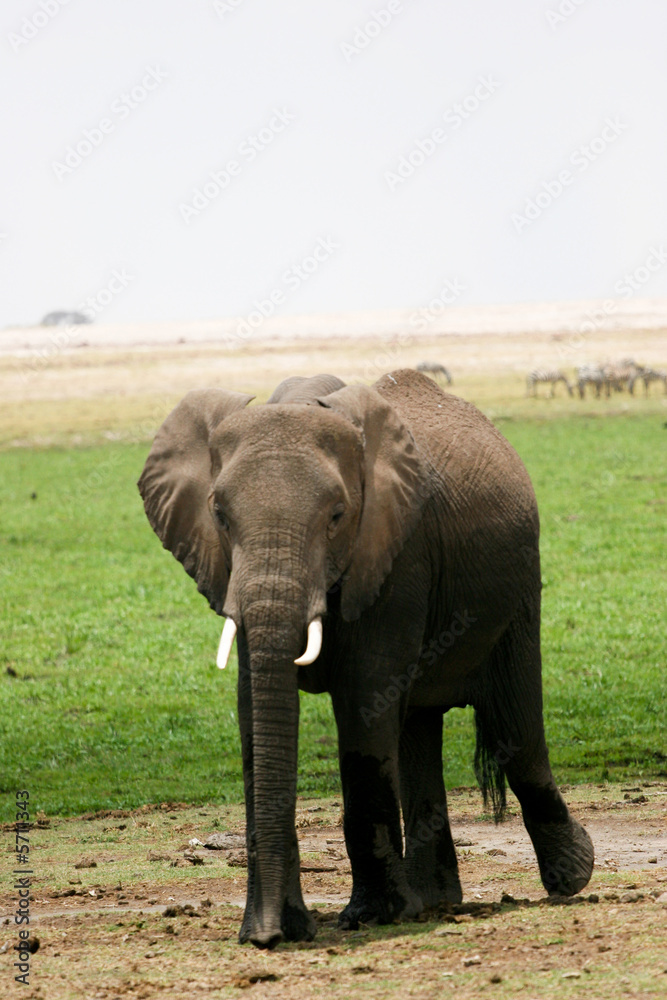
336,515
220,517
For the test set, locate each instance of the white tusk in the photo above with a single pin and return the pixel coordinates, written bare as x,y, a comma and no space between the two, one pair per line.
226,641
314,644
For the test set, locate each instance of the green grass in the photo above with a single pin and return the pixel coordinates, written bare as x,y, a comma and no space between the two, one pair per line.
117,701
602,491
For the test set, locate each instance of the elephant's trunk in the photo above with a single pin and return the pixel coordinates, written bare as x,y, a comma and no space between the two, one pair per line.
274,620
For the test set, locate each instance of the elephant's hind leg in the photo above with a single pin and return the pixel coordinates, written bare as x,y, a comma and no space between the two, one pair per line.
430,858
510,741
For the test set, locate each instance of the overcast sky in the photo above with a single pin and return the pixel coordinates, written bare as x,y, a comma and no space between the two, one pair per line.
166,159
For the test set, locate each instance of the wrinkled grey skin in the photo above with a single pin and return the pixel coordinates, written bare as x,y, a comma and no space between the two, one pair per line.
405,519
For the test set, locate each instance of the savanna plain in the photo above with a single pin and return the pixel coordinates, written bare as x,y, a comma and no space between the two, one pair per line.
118,724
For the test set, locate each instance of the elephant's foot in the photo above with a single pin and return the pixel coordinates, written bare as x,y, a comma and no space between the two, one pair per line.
369,907
565,855
435,887
432,868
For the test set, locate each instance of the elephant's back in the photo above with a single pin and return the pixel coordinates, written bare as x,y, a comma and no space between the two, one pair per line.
478,467
479,531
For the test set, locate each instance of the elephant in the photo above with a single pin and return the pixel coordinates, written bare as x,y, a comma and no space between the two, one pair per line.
393,532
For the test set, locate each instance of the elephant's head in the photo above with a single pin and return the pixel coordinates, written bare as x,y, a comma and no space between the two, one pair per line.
269,508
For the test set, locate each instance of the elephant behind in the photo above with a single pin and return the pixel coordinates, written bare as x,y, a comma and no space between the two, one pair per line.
393,532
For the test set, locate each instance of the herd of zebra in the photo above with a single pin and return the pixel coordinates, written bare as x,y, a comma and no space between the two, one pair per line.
616,377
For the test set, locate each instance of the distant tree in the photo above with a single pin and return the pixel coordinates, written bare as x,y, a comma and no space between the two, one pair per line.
63,318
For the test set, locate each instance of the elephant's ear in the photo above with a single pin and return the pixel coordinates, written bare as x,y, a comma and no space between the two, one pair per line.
176,483
395,486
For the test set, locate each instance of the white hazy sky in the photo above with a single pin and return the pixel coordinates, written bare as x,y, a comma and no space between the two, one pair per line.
356,100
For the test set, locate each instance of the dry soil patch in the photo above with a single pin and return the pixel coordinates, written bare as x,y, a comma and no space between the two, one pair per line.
149,920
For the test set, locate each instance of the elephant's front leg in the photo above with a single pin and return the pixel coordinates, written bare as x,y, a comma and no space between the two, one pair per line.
372,822
296,922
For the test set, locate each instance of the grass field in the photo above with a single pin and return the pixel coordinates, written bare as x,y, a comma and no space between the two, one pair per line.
110,695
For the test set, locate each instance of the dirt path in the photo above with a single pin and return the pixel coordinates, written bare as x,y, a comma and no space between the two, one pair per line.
159,917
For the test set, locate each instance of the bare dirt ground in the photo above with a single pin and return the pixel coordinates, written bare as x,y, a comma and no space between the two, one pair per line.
159,917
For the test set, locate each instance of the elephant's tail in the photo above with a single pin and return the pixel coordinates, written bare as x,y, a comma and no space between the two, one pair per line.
489,770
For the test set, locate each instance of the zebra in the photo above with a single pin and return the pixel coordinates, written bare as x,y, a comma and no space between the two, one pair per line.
621,376
550,375
613,377
649,375
635,372
590,375
434,369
